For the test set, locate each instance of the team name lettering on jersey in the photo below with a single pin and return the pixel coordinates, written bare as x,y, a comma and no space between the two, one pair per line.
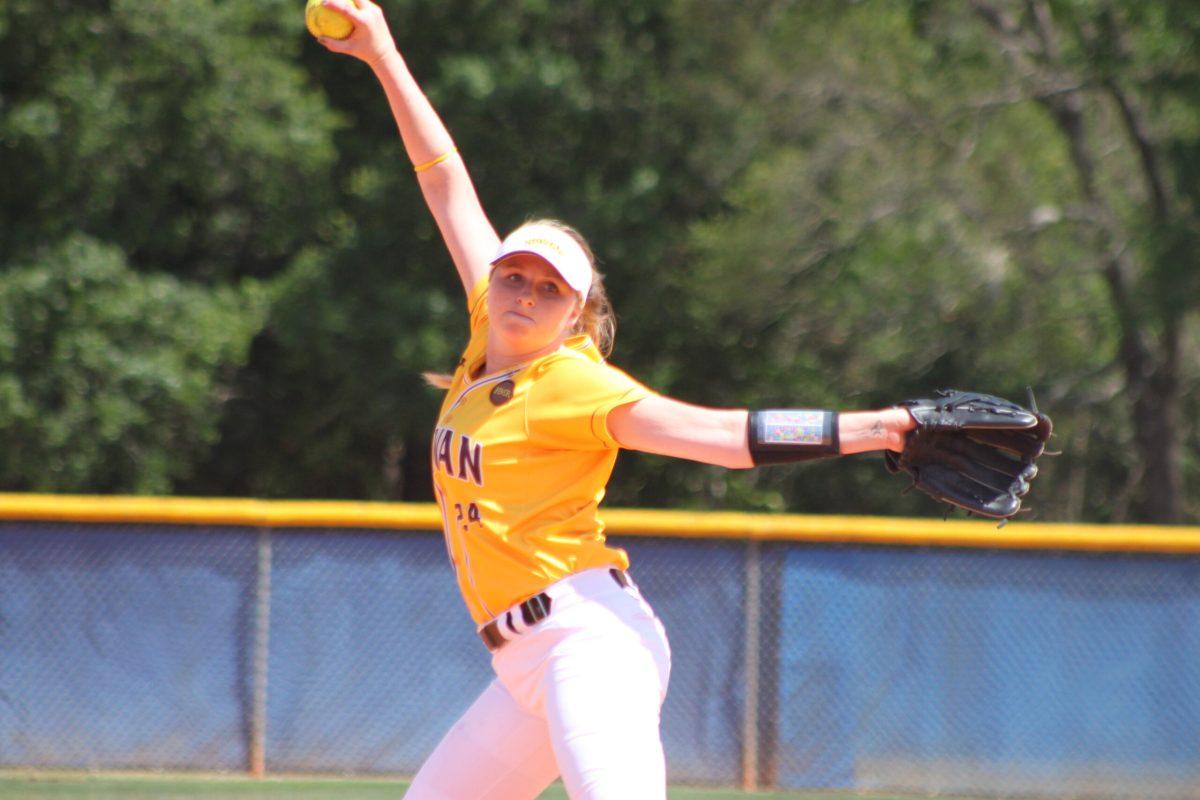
470,456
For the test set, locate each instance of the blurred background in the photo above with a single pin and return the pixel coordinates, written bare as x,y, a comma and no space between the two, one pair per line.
218,277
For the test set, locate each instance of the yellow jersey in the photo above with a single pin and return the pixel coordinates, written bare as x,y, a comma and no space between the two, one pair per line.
520,461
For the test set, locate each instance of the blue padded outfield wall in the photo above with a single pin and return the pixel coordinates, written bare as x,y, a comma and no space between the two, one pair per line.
877,668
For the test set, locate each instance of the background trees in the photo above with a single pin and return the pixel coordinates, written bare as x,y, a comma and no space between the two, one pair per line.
803,204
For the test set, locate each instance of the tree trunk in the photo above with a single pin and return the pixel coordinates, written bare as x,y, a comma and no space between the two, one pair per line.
1151,367
1157,419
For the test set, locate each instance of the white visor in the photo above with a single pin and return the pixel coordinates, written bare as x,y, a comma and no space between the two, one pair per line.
557,248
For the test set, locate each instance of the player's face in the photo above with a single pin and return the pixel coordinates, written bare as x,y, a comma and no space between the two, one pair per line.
531,307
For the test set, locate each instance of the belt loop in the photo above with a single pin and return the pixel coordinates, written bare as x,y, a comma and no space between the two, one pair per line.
491,637
620,577
535,609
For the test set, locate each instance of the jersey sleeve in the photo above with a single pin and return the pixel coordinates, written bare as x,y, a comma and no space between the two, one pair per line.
569,403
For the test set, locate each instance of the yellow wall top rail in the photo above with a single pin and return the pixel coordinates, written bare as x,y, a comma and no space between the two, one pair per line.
910,532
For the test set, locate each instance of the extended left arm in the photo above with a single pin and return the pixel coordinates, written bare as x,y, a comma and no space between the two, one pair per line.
668,427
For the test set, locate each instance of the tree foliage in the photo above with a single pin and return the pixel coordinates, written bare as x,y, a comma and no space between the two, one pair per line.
819,204
920,217
107,376
182,131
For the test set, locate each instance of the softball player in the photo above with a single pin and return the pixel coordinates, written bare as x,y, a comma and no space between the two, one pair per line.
525,442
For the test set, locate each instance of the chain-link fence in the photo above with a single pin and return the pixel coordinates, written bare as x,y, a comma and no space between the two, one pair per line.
865,668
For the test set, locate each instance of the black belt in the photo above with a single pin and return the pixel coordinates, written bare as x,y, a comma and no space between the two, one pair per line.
532,611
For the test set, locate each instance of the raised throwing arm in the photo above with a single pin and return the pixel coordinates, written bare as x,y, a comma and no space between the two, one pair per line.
445,183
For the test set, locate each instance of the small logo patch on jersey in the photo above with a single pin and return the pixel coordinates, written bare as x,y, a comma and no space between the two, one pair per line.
502,392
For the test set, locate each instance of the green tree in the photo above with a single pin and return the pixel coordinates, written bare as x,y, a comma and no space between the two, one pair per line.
108,376
920,215
1121,82
814,204
144,139
182,131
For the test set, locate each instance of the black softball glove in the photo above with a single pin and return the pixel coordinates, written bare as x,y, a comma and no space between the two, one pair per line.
974,451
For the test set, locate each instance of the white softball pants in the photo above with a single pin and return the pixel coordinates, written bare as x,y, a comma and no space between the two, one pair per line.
577,694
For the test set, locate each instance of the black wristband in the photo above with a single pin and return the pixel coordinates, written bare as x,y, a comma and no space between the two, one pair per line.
784,435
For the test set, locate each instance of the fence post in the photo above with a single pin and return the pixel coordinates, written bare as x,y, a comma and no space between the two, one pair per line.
259,643
752,616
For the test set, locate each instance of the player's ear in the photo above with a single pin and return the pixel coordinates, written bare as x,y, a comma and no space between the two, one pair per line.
577,314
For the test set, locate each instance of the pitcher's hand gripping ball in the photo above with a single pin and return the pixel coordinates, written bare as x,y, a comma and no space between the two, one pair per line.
322,21
974,451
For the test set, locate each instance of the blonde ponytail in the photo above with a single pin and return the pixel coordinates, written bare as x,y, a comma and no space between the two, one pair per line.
438,380
598,320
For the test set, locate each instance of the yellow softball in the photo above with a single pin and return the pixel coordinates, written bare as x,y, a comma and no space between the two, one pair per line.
322,21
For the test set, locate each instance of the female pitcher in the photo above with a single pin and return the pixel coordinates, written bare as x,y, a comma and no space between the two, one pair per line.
524,444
